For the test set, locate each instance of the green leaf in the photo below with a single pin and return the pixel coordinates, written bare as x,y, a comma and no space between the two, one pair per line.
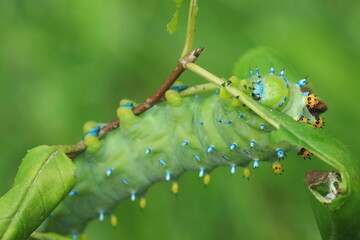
48,236
339,218
44,179
173,25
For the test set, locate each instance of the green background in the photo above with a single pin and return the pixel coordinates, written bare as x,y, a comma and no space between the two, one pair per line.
65,62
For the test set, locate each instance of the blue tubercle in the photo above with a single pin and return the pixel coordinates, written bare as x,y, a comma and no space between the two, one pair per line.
168,176
197,157
226,157
94,131
178,88
280,153
219,121
133,196
73,192
128,104
301,83
262,126
282,73
201,123
306,94
217,91
233,146
101,216
185,143
124,181
256,163
233,169
272,70
211,148
252,143
148,150
251,73
201,172
109,171
74,234
247,151
162,161
228,122
241,116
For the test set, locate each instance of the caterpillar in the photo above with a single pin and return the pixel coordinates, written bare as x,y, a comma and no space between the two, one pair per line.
182,134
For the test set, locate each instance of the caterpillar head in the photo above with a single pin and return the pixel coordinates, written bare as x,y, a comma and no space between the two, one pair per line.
275,91
270,90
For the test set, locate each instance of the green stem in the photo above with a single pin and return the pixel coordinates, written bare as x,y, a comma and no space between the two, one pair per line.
198,89
234,91
190,30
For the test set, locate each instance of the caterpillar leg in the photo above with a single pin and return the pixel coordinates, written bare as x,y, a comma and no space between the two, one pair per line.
304,153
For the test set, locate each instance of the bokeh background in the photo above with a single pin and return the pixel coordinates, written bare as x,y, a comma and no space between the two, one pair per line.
65,62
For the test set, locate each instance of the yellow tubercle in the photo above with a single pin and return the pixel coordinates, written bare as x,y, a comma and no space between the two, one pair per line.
246,172
173,97
207,179
235,102
277,168
234,81
113,220
243,85
142,203
89,125
83,236
175,188
125,113
224,95
92,143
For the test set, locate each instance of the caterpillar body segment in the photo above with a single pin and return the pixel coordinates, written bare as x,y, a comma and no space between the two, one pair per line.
182,134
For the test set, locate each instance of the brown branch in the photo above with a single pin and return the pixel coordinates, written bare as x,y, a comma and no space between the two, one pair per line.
155,98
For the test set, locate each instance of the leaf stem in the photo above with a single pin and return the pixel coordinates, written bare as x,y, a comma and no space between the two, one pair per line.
198,89
190,30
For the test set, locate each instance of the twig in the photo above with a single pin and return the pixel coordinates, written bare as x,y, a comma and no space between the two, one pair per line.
190,30
156,96
73,150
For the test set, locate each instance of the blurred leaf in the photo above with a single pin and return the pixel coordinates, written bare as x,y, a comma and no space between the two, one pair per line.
339,218
45,177
172,26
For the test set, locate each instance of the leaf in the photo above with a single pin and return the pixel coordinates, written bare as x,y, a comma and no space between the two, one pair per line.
263,58
338,219
173,25
44,179
49,236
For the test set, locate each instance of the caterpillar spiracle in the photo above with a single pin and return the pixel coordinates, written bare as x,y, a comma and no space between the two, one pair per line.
182,134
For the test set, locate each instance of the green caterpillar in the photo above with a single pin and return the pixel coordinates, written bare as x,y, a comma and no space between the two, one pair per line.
183,134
